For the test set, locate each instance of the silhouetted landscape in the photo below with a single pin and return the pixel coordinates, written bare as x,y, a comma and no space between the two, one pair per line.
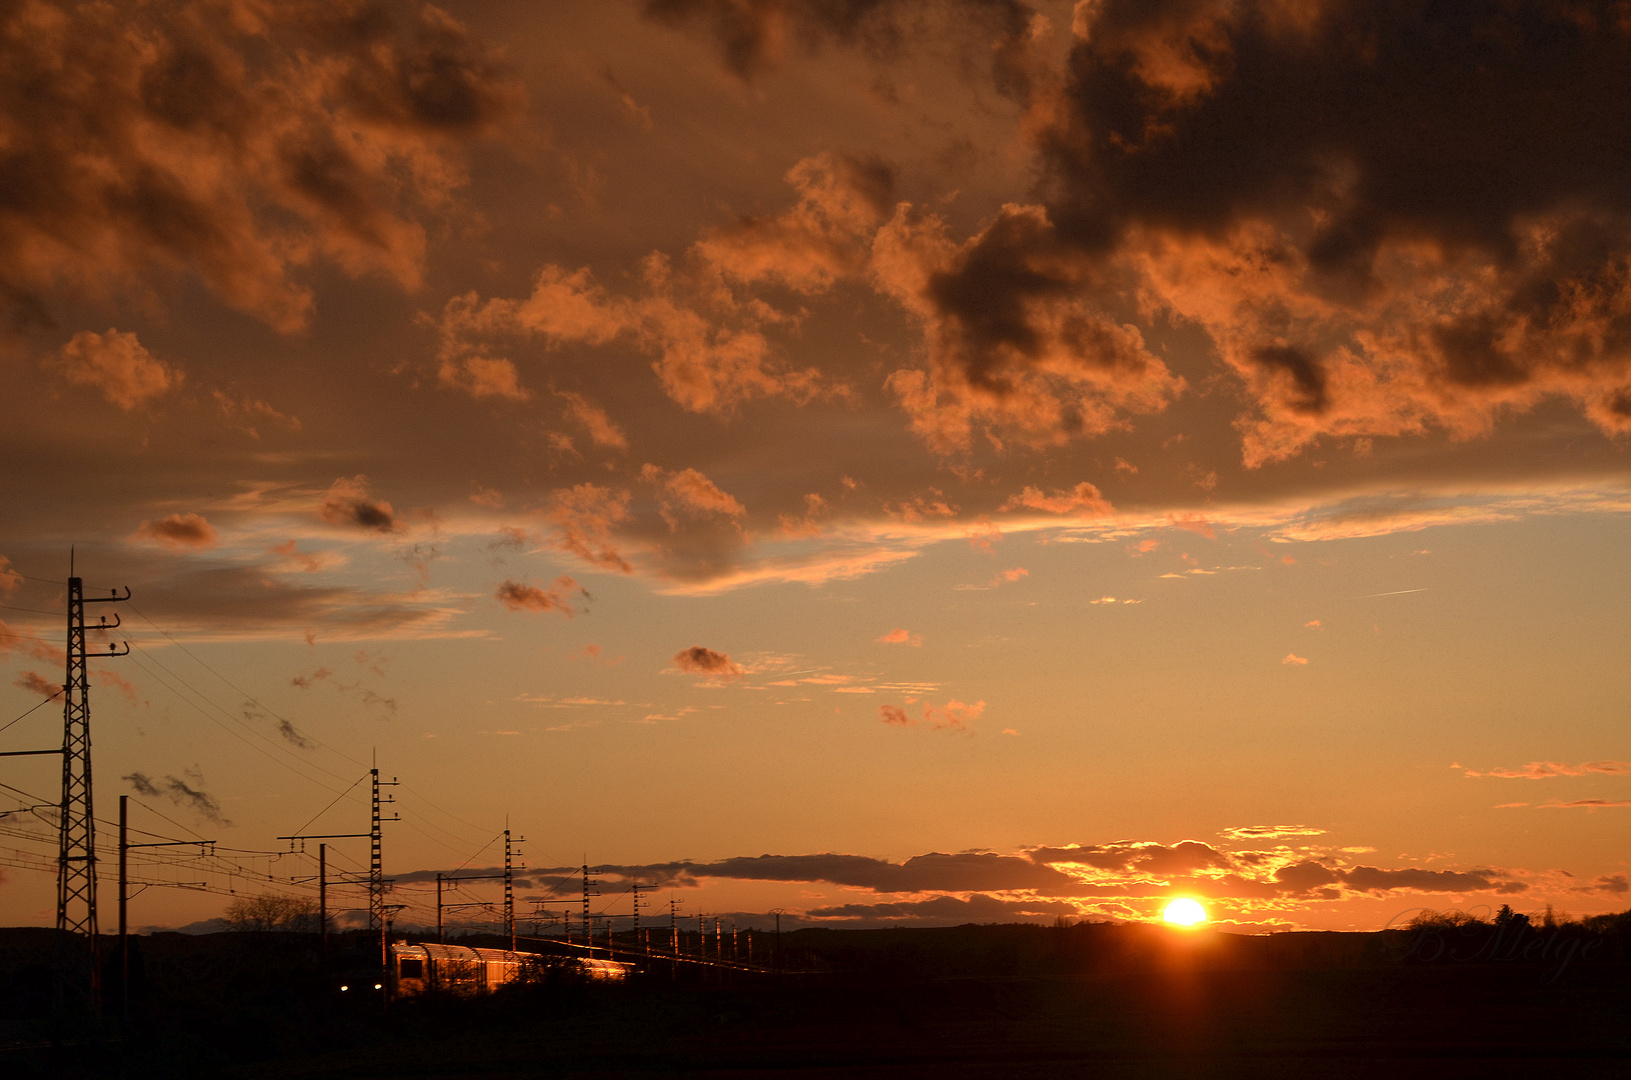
815,538
1449,996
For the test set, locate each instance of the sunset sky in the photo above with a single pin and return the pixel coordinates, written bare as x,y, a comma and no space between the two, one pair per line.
898,462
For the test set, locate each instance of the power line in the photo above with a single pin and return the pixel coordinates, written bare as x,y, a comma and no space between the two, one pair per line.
25,637
37,611
52,698
229,714
160,679
433,806
250,697
331,805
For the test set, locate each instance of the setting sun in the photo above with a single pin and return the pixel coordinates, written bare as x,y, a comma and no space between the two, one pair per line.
1184,912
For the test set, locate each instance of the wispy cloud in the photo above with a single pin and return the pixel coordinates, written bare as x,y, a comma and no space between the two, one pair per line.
1546,770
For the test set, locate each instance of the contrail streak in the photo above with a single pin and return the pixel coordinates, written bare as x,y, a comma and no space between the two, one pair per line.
1396,592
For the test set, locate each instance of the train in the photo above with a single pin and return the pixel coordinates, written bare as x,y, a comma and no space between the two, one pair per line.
466,970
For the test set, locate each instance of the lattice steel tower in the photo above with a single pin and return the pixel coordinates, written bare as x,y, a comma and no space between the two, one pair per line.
76,848
376,867
509,886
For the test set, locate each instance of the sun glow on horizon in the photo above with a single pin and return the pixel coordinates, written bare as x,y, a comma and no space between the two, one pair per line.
1184,912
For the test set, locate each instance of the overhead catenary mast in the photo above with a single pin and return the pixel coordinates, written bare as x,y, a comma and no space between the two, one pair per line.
588,891
509,887
76,831
376,866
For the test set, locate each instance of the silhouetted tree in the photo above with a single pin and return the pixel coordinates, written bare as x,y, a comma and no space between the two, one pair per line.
270,911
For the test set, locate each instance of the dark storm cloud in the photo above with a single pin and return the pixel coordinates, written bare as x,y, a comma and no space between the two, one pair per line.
180,530
1389,216
1184,857
969,884
977,908
246,601
934,872
235,142
753,37
1371,879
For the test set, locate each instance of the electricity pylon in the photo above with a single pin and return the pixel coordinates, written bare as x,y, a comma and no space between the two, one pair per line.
76,830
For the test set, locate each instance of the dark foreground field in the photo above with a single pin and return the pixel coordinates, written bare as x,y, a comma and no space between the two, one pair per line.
1004,1001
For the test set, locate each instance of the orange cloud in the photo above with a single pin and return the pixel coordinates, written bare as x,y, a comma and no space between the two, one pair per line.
1453,309
710,352
983,536
307,562
181,531
116,364
953,715
592,653
522,596
486,496
1084,498
1546,770
899,636
593,419
1195,524
583,517
1014,343
246,413
28,644
36,683
347,502
1583,804
484,376
700,660
1293,658
923,507
821,239
690,493
240,144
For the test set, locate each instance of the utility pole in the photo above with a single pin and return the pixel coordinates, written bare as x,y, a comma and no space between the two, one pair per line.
376,877
376,870
76,834
509,888
388,974
674,938
124,940
588,891
778,913
509,895
322,898
637,890
124,894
